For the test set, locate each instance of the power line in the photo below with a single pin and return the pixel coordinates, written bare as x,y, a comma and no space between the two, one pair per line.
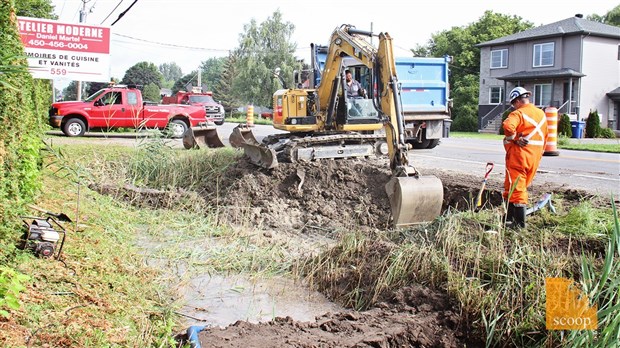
124,12
173,45
109,14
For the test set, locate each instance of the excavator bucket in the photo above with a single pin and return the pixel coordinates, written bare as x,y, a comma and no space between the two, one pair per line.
260,155
242,134
202,136
414,199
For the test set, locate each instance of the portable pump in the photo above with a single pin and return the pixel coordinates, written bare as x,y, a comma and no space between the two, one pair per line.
45,237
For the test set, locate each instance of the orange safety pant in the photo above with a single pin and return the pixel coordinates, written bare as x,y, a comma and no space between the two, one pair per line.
521,164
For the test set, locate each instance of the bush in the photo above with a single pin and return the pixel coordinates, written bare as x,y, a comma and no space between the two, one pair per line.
607,133
564,126
563,140
466,123
504,117
593,125
23,109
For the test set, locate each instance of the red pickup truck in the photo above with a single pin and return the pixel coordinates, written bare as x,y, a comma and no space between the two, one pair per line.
122,107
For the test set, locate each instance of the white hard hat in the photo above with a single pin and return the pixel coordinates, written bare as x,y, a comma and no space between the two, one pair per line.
518,92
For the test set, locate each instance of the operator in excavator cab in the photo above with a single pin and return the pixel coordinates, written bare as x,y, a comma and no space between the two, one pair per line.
354,90
525,131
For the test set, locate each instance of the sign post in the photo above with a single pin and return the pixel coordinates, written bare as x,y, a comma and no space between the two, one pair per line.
62,50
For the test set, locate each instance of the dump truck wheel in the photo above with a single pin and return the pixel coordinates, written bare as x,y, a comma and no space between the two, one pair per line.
432,143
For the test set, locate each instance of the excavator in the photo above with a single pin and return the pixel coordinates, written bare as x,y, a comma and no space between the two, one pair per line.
324,123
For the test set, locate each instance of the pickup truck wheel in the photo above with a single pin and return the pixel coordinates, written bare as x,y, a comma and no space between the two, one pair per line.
176,128
219,123
74,127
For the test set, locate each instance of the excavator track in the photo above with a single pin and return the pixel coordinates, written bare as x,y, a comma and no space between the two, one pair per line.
346,145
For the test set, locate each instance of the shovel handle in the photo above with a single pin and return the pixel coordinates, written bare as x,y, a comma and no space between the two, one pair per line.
32,206
489,168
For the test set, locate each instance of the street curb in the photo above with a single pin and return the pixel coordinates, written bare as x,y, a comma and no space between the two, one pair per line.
106,135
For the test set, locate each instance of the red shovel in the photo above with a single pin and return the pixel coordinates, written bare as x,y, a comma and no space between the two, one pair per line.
489,168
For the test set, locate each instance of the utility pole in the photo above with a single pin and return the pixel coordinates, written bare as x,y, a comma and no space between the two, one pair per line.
82,20
200,79
371,32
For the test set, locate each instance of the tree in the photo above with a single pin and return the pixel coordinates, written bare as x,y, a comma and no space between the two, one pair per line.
263,48
170,72
70,92
460,43
142,74
593,125
151,92
35,9
211,70
564,126
92,87
186,82
223,90
611,18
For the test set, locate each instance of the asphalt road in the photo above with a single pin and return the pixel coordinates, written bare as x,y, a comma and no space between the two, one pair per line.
592,171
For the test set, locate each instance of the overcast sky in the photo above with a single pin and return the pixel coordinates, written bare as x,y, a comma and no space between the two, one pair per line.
190,31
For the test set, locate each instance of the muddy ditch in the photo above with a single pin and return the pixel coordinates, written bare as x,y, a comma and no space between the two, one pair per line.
317,200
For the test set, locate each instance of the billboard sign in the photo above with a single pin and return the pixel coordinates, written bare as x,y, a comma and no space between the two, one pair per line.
63,50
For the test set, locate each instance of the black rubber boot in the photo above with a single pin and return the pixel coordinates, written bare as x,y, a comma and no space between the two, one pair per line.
519,215
510,212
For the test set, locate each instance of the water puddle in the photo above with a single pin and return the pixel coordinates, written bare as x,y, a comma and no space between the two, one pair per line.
211,299
216,300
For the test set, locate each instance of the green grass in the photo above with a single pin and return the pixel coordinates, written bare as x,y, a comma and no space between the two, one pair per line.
257,120
496,275
563,143
611,148
105,293
475,135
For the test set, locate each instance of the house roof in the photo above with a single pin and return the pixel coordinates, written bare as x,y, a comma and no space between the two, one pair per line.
615,94
568,26
541,74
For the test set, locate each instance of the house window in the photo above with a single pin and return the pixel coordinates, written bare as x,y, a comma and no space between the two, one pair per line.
496,95
543,54
499,59
542,95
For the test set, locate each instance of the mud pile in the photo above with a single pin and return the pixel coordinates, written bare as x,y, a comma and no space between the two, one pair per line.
336,194
323,195
414,317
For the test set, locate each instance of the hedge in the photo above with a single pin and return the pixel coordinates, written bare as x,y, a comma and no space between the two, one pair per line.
23,107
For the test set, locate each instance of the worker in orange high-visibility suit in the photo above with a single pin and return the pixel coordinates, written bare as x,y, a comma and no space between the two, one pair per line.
525,131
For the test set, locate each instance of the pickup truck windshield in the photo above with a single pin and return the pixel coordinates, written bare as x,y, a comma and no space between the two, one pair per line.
95,95
201,99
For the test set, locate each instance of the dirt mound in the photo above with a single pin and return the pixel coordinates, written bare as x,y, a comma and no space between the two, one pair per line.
337,194
298,196
414,317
